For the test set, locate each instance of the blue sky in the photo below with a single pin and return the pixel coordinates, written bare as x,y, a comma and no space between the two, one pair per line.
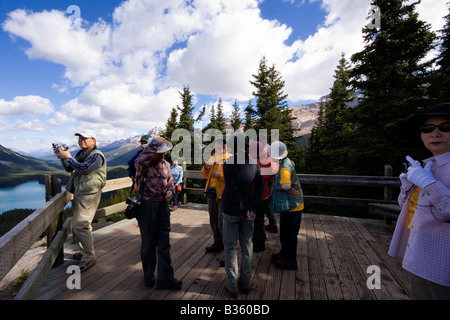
121,70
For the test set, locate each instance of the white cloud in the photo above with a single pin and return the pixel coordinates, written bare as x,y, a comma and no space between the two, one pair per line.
52,38
26,105
221,59
130,71
22,125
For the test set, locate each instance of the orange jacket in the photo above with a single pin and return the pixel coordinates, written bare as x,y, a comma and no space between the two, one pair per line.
217,161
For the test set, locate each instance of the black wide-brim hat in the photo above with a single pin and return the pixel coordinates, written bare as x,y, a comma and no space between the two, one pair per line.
442,109
410,128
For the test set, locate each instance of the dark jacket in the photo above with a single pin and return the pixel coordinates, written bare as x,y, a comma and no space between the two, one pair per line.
244,186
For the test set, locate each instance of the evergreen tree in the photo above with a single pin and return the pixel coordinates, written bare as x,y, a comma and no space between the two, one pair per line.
186,110
329,142
440,89
393,78
212,119
172,124
250,115
220,123
235,118
271,106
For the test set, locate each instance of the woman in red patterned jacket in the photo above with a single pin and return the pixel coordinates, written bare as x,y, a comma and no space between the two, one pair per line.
154,217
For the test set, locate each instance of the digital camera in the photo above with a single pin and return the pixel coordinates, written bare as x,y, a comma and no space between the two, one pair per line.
132,203
59,147
406,165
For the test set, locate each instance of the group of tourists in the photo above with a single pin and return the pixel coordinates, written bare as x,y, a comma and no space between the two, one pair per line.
248,181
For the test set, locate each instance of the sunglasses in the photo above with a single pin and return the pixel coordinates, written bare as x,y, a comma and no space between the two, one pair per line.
429,128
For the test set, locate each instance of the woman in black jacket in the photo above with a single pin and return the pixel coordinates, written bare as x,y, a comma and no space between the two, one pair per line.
244,187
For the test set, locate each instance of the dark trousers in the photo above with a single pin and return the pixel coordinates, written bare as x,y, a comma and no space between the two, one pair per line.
422,289
289,228
270,216
259,232
154,225
215,219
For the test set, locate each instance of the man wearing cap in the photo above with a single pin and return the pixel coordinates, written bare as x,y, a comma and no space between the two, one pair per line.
422,232
88,178
154,217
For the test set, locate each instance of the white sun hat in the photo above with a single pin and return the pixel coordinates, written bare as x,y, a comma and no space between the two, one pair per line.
278,150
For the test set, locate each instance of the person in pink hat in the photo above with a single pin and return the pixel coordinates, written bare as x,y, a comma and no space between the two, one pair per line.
258,151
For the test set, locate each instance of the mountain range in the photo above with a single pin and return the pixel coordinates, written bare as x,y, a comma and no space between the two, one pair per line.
118,153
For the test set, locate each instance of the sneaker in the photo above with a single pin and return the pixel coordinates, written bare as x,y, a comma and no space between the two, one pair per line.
85,265
231,293
285,264
272,229
173,284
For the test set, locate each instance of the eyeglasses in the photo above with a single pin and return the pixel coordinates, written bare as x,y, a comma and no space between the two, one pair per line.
429,128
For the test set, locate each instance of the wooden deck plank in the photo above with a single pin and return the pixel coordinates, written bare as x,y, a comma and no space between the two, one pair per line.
339,259
333,256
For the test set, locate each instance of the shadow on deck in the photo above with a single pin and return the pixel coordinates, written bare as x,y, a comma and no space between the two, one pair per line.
334,254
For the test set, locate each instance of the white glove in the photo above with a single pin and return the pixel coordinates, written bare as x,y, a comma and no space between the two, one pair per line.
406,184
421,177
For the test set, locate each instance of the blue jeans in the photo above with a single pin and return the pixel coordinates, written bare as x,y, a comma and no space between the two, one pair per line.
236,228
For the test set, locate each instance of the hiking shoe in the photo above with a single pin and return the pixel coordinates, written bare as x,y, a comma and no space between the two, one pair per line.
172,284
77,256
214,248
232,294
285,264
258,247
243,287
85,265
272,229
149,281
276,256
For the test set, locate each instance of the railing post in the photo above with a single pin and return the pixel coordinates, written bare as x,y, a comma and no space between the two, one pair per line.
388,190
184,183
52,188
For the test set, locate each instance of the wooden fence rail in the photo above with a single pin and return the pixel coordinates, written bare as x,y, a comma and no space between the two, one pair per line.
387,182
17,241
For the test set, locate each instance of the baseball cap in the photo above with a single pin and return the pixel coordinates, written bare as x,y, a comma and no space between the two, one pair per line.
145,138
87,134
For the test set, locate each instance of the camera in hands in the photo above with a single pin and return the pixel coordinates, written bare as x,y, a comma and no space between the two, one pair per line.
406,165
59,147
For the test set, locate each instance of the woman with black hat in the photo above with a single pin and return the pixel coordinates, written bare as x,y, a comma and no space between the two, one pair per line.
154,217
422,233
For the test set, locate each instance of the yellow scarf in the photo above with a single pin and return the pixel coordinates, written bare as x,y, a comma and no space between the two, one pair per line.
413,199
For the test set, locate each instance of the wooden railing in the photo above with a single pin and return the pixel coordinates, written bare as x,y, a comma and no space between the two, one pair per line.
387,182
17,241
